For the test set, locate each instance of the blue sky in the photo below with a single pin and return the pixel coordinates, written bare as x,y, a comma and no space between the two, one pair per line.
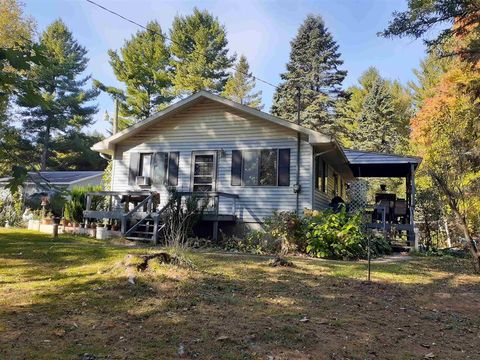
261,30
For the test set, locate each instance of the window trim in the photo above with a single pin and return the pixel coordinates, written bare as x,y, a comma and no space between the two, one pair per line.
167,173
259,150
215,167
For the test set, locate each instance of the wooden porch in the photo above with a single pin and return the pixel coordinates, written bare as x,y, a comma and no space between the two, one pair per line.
140,213
389,213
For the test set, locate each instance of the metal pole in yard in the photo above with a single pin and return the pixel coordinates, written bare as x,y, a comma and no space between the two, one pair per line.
369,257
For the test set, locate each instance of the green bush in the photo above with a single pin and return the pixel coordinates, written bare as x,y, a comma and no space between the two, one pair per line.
282,232
11,210
77,203
254,243
379,246
336,235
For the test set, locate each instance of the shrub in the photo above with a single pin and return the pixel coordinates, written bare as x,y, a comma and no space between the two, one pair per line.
288,229
179,218
282,232
379,245
336,235
11,210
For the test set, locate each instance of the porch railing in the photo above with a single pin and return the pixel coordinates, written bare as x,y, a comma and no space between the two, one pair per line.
220,206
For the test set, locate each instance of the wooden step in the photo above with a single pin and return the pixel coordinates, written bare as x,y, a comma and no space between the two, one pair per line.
136,238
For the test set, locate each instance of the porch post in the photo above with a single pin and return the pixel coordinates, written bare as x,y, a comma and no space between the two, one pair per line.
411,233
215,222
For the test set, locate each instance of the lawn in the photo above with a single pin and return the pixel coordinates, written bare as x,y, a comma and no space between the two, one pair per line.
70,298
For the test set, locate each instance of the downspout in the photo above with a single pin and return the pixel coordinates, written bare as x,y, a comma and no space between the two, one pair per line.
297,187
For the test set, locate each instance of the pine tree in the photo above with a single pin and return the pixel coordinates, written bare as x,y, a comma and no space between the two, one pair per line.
66,104
314,67
428,76
375,129
351,110
143,66
240,85
200,53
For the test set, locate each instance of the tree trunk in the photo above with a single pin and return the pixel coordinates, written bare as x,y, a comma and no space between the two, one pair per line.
447,232
461,221
46,143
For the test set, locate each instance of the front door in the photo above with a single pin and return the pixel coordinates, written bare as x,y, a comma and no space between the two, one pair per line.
204,170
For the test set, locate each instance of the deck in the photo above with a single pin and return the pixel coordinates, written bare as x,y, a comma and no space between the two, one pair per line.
140,212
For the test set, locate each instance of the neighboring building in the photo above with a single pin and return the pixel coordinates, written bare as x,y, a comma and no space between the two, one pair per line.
48,181
253,162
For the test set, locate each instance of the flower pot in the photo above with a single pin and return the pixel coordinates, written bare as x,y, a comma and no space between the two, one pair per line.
102,233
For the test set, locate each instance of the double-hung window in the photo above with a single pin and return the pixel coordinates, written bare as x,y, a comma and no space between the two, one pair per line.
160,167
261,167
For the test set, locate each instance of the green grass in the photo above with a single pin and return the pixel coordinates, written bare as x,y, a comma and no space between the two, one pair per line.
66,297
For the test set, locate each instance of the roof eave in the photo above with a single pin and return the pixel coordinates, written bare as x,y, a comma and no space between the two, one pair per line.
106,146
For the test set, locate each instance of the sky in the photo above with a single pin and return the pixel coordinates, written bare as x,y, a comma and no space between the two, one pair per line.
261,30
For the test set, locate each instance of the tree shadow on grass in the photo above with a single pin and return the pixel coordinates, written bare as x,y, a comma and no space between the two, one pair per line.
238,307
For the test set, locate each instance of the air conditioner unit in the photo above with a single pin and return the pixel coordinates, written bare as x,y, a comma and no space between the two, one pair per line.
142,180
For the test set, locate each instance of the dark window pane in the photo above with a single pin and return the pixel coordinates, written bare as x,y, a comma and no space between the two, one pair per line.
203,168
159,168
202,180
250,167
204,158
268,167
202,187
284,167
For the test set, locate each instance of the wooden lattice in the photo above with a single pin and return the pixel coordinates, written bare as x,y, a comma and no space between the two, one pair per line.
357,195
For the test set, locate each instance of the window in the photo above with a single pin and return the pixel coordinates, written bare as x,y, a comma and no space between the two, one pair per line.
335,185
320,174
145,164
160,167
263,167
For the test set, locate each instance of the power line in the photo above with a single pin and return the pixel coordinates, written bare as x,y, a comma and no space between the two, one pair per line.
173,41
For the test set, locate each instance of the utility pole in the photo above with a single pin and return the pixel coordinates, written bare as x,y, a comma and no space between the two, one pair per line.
115,116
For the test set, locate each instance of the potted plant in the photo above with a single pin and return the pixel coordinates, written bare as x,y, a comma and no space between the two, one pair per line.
47,220
115,226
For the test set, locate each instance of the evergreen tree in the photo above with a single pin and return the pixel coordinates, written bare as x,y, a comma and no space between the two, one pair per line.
59,82
428,76
17,55
314,67
240,85
376,130
143,66
460,19
72,151
351,111
200,54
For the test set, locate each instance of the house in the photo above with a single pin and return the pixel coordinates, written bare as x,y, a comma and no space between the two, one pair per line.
249,162
47,181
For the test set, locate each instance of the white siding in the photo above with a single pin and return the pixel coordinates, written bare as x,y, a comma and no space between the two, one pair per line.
322,199
211,126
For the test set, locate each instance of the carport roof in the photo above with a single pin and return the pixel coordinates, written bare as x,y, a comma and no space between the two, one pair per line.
374,164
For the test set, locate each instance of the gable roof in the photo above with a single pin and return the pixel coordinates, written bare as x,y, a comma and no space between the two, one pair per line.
107,145
58,177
